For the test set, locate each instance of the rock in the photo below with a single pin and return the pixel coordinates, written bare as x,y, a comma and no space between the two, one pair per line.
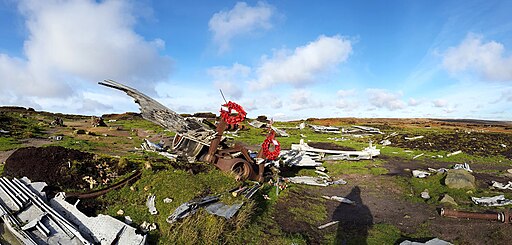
120,212
448,200
459,179
509,170
425,195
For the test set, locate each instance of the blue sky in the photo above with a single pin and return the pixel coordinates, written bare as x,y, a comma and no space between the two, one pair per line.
286,59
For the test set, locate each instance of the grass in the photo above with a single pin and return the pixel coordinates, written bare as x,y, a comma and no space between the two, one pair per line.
79,144
337,168
8,144
255,223
436,188
136,124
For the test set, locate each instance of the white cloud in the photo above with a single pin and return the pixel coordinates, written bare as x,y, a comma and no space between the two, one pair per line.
228,79
440,103
304,64
70,42
506,95
343,102
94,106
240,20
485,59
302,99
413,102
345,93
382,98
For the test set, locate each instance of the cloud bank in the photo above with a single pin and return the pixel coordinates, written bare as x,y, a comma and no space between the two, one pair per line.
303,65
72,43
487,59
242,19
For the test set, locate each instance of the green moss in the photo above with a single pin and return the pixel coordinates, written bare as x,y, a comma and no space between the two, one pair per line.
383,234
8,144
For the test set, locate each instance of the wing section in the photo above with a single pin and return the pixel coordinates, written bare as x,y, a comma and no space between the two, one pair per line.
155,112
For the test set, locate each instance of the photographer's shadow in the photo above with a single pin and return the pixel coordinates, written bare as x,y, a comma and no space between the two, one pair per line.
354,220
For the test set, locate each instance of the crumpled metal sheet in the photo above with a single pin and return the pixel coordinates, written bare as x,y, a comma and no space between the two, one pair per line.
221,209
464,166
150,203
494,201
434,241
502,186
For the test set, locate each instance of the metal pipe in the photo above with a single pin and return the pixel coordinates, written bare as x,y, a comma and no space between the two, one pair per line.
502,217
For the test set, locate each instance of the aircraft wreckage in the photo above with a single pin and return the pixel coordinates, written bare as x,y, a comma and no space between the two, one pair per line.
199,139
195,139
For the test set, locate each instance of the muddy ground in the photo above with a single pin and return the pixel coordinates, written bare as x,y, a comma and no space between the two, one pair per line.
380,201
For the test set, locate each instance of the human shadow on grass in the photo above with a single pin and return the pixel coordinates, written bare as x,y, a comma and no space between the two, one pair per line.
354,220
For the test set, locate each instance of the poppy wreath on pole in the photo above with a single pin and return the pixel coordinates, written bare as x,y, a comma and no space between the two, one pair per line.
233,119
271,155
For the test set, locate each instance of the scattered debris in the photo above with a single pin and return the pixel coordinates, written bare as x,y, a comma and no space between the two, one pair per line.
328,224
464,166
167,200
158,148
211,205
308,180
503,145
56,221
57,138
420,174
190,207
97,122
300,158
4,131
368,130
322,173
57,121
128,220
325,129
317,181
501,186
439,170
385,142
366,154
280,132
339,199
147,227
453,153
150,203
414,138
433,241
501,216
418,155
495,201
258,124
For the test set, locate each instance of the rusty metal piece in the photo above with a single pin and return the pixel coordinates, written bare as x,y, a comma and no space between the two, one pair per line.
501,216
195,139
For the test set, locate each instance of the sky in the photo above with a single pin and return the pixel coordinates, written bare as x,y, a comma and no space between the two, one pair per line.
286,59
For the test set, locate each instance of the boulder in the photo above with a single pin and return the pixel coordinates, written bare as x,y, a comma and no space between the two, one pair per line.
448,200
460,179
